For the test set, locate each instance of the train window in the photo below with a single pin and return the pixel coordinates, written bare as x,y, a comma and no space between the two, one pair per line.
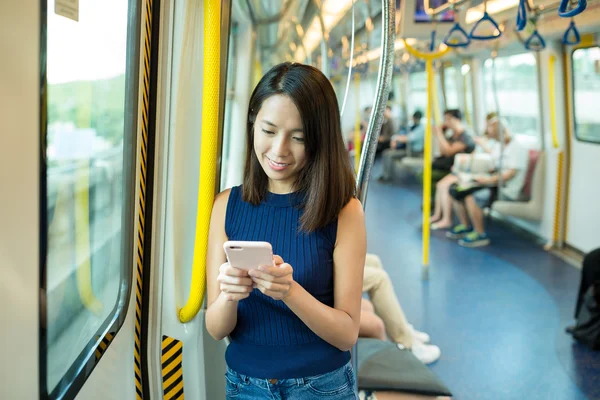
586,89
91,131
451,88
517,92
465,70
418,91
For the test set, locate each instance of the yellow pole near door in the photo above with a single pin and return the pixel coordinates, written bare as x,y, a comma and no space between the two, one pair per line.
208,155
428,57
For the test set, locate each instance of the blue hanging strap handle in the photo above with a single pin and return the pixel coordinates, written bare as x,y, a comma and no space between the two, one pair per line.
562,9
521,16
457,30
486,18
432,44
572,31
530,43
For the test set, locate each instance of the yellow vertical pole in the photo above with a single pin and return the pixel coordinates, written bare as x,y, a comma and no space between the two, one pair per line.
208,159
556,239
357,141
427,167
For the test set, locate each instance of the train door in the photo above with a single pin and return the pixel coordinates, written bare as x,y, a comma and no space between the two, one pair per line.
79,157
584,192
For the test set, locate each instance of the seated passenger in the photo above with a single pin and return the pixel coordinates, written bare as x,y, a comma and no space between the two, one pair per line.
470,231
459,142
385,314
387,130
487,143
414,139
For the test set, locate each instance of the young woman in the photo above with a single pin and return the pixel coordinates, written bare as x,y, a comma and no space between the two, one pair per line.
291,325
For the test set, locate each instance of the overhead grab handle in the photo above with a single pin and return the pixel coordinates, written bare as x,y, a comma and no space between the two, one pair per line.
486,18
521,16
457,37
564,5
535,42
432,43
572,36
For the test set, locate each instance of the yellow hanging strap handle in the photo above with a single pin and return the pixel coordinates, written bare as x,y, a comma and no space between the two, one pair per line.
357,141
432,103
208,155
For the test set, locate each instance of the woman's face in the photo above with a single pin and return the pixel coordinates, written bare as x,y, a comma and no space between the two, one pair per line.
279,142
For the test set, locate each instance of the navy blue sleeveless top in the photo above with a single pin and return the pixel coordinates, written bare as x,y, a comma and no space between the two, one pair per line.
269,340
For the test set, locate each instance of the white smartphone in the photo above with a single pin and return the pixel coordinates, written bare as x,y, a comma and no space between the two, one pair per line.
248,255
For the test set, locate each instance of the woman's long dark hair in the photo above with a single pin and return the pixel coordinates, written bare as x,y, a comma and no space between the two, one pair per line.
327,179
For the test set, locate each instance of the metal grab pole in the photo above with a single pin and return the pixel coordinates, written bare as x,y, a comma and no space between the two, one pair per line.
381,95
375,121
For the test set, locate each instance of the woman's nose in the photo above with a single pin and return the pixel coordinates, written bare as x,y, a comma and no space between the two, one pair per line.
280,146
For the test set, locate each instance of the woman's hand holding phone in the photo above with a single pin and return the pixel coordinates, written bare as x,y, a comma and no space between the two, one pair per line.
234,283
273,281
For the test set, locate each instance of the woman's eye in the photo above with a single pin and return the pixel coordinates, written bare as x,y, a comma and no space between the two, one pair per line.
268,132
299,139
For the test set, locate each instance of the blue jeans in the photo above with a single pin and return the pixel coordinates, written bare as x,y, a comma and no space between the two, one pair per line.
335,385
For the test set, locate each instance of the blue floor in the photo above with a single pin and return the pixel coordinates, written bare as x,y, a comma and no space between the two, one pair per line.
498,313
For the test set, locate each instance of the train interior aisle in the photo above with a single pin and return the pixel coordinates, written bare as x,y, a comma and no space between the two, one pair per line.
497,312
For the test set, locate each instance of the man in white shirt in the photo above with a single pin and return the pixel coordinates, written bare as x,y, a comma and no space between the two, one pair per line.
471,231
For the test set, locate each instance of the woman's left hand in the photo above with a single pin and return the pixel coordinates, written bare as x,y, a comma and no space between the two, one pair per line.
273,281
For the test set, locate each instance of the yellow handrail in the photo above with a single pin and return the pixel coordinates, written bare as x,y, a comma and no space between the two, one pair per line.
552,98
208,155
432,103
425,56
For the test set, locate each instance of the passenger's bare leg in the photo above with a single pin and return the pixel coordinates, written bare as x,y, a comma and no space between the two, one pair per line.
461,213
446,202
437,209
371,326
475,213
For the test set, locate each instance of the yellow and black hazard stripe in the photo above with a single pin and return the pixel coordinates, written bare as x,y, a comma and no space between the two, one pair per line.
172,368
103,345
148,81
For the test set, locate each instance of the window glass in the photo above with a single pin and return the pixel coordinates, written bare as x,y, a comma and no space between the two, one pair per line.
517,91
468,82
418,91
586,87
451,88
90,120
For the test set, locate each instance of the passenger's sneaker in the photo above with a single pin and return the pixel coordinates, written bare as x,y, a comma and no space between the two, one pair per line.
420,336
474,239
458,232
426,353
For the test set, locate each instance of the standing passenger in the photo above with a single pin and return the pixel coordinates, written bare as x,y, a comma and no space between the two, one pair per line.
291,325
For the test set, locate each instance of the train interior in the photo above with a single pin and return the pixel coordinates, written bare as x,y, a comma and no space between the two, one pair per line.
140,119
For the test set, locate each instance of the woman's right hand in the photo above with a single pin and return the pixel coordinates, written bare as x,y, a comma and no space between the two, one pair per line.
235,284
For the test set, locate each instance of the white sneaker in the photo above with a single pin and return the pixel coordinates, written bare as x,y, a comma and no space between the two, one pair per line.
420,336
427,353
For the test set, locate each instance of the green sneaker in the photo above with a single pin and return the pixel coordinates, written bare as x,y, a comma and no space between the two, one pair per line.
474,239
458,232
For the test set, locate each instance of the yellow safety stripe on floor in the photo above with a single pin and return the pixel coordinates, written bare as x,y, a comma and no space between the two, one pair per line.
103,345
172,369
143,152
